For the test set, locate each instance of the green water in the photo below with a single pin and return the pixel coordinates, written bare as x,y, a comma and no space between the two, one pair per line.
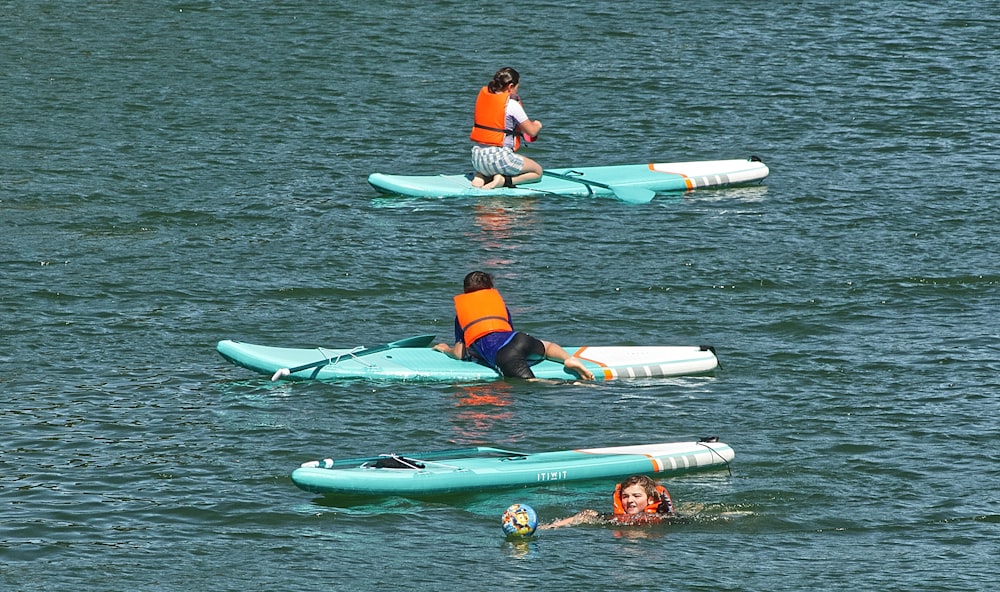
175,173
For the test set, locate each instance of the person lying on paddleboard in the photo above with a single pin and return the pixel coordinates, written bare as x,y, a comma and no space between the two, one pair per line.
637,500
485,333
498,124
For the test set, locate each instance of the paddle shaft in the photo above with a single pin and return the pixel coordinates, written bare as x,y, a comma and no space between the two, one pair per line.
415,341
629,194
328,463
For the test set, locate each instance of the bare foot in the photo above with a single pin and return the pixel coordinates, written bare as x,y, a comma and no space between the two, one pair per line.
478,181
576,365
496,182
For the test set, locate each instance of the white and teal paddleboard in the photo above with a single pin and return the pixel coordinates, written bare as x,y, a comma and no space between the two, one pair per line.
480,469
414,359
636,183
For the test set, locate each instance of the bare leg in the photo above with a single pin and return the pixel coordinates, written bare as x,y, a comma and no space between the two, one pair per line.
532,171
554,351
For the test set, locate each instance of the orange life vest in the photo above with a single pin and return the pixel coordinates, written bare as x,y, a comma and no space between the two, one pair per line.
664,505
490,119
481,312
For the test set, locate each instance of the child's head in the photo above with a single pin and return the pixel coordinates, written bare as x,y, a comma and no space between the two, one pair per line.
503,78
643,481
477,280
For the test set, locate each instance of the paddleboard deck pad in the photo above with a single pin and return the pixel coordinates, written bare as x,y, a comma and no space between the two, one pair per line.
597,181
480,469
426,363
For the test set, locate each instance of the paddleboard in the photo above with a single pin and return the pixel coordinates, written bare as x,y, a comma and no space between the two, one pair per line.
425,363
482,468
601,181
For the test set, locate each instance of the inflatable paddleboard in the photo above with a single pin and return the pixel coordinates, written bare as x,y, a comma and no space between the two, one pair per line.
622,181
414,359
479,469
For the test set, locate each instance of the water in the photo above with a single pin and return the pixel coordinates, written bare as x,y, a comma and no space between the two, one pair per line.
175,173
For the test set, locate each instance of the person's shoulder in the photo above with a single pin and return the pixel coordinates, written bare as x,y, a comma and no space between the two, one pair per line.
516,110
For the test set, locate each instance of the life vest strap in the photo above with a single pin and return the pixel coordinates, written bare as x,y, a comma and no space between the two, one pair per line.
481,319
508,132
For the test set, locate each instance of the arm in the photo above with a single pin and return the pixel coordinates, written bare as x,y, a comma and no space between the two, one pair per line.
524,125
530,127
584,517
456,351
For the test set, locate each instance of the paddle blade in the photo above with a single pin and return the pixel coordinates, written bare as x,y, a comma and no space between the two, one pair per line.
417,341
634,195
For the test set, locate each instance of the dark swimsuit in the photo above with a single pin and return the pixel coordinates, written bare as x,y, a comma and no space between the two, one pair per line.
513,353
515,358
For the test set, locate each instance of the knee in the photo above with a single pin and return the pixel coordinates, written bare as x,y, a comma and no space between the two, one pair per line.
531,166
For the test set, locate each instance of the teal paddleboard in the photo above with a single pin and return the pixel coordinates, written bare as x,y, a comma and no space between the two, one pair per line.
635,182
480,469
414,359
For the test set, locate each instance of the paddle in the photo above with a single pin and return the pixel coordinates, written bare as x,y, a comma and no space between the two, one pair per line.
635,195
416,341
328,463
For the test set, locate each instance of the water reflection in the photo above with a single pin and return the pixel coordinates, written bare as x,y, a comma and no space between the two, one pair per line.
518,548
501,224
479,409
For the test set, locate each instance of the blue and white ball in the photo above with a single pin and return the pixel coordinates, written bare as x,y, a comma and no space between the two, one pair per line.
519,520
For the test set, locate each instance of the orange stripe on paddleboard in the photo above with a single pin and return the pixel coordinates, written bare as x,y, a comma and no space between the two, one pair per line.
658,465
607,372
578,354
687,181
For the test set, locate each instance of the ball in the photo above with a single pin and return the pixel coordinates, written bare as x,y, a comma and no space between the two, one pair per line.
519,520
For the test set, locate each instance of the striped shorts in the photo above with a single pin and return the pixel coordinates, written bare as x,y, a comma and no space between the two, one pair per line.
496,160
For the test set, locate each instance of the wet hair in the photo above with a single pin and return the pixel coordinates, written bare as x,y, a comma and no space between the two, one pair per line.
503,78
646,483
477,280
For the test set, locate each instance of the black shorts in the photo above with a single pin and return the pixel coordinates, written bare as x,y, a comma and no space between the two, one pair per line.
514,359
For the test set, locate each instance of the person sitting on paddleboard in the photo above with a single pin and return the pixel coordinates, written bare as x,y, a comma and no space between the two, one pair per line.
484,332
637,500
498,124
